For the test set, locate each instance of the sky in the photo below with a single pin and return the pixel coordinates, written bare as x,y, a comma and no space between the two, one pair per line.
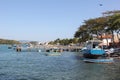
47,20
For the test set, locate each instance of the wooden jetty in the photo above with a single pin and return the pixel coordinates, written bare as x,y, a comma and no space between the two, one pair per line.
61,48
46,48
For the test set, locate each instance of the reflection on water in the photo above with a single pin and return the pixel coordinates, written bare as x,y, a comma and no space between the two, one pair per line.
37,66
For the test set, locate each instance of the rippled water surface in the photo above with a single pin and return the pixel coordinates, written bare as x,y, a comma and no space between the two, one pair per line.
38,66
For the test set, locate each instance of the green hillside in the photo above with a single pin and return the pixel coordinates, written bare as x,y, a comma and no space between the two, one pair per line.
6,41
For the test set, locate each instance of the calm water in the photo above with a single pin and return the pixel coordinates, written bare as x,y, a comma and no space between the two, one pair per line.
37,66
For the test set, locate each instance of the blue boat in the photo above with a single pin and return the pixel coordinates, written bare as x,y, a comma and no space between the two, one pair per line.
94,52
102,60
93,49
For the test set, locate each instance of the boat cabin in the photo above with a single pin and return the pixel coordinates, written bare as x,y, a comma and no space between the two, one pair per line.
94,44
93,48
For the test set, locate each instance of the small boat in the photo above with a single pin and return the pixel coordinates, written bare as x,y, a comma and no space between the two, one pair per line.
53,54
9,47
102,60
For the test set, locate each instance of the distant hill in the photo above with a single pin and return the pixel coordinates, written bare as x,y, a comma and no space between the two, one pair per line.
24,41
28,41
7,41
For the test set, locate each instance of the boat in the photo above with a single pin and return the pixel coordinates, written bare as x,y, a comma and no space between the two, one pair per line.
93,50
94,53
53,54
9,47
101,60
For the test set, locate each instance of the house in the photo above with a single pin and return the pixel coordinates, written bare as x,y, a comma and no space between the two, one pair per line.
107,39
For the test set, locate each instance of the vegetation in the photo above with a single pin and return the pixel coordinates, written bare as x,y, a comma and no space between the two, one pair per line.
5,41
107,24
65,41
33,42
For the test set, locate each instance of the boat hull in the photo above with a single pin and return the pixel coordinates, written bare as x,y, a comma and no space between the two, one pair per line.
91,56
93,53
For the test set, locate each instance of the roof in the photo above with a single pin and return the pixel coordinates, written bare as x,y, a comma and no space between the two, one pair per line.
105,36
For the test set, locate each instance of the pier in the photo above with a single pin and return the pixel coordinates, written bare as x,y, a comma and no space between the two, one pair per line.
63,48
47,48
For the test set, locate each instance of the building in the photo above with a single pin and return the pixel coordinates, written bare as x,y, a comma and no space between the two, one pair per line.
107,39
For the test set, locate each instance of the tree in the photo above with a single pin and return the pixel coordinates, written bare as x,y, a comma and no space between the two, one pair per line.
6,41
114,24
107,24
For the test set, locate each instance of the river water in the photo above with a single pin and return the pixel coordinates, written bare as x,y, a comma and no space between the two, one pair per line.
37,66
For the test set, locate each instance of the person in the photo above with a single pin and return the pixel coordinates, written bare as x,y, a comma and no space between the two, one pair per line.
93,45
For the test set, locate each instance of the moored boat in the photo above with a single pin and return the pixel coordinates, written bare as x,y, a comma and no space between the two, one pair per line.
93,49
101,60
93,53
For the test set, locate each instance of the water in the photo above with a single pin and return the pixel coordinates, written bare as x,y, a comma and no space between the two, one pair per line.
37,66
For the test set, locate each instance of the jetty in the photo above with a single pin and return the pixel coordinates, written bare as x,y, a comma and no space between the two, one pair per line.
63,48
47,48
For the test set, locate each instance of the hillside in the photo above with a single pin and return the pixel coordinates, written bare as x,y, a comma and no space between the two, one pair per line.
6,41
